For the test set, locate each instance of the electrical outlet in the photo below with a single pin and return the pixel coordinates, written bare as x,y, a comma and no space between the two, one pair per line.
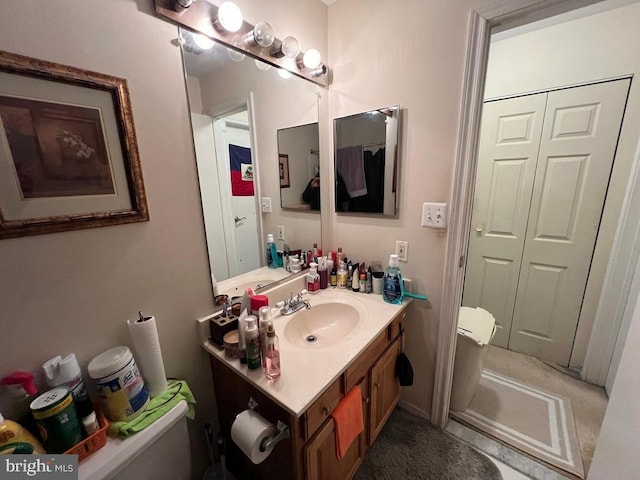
266,205
402,250
280,232
434,215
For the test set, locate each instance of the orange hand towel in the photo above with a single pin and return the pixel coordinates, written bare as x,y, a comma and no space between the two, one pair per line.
348,419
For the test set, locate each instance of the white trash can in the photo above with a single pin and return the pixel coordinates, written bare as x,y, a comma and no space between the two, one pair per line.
476,328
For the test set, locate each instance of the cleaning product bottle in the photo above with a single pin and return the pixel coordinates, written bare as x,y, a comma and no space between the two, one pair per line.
355,278
65,371
17,393
252,342
392,291
15,439
272,253
272,353
313,279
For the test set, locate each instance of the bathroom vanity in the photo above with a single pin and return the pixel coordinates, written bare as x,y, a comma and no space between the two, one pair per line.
360,348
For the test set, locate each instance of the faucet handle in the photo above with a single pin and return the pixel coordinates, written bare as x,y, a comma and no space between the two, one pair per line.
302,292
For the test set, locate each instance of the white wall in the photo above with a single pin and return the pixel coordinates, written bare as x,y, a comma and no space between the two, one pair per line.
616,456
588,49
73,291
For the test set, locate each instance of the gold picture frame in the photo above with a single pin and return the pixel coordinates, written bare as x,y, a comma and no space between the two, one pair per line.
283,162
68,152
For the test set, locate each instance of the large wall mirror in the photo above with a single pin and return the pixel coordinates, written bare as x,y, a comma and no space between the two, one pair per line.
366,162
238,104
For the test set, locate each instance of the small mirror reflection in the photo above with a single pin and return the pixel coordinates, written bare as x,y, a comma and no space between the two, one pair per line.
366,162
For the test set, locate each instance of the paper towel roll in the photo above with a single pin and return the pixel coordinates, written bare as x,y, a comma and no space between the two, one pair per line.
248,431
148,354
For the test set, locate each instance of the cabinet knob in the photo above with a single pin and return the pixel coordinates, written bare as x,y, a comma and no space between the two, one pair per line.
377,385
326,410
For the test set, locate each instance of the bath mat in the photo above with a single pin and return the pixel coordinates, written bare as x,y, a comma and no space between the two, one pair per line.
409,448
534,421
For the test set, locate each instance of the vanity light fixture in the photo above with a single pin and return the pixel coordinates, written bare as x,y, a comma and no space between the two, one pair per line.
202,41
262,65
289,47
235,55
262,35
320,71
179,5
225,24
311,59
229,18
284,73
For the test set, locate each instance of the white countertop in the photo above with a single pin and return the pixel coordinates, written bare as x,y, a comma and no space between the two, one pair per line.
264,275
307,370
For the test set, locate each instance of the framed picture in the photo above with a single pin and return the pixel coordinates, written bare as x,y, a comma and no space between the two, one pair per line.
68,152
283,161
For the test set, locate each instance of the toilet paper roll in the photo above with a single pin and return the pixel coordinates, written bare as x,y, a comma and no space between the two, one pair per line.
148,354
248,431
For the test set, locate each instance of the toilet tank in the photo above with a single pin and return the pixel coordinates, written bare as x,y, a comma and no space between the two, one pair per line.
159,452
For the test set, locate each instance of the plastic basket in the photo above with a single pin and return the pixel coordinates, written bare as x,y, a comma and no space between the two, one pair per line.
93,442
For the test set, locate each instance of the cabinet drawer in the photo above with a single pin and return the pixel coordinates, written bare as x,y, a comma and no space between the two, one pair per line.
360,367
322,408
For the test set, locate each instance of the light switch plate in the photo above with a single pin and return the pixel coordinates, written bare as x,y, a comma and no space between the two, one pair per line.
280,232
434,215
266,205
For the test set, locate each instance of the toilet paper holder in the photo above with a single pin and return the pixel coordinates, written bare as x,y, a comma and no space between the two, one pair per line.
270,443
283,430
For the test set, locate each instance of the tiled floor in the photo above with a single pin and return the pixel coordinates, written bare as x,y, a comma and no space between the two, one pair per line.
507,472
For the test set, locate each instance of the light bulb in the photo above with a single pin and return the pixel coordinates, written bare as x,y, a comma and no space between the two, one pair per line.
235,55
230,16
284,73
262,65
202,41
263,34
290,47
312,58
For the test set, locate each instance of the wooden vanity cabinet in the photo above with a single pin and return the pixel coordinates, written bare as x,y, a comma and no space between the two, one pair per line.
311,452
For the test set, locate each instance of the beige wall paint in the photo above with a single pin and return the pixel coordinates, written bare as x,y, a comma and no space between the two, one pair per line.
579,51
409,53
73,291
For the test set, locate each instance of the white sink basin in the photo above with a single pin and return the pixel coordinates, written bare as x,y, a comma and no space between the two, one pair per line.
328,322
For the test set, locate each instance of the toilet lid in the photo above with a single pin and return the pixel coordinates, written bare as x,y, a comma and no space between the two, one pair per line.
477,324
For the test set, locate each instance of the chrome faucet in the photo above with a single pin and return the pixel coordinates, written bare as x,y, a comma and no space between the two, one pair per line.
293,304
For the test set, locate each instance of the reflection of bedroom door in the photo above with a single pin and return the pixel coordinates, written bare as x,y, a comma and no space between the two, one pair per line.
239,212
543,172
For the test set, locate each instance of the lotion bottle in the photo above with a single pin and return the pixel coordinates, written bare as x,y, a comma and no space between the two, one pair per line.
313,279
252,342
272,353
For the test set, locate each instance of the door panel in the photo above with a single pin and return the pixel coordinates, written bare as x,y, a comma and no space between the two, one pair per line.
579,139
509,142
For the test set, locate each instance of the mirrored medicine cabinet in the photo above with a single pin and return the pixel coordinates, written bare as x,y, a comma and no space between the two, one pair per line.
366,162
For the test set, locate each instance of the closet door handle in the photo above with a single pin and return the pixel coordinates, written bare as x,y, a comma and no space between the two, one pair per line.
479,228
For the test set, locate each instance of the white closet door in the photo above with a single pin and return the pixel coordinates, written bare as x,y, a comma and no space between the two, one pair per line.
579,139
509,142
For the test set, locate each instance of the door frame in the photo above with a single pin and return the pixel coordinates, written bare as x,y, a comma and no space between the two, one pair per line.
604,336
226,109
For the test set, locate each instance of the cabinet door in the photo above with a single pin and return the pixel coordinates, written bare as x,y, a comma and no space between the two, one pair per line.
322,462
385,390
